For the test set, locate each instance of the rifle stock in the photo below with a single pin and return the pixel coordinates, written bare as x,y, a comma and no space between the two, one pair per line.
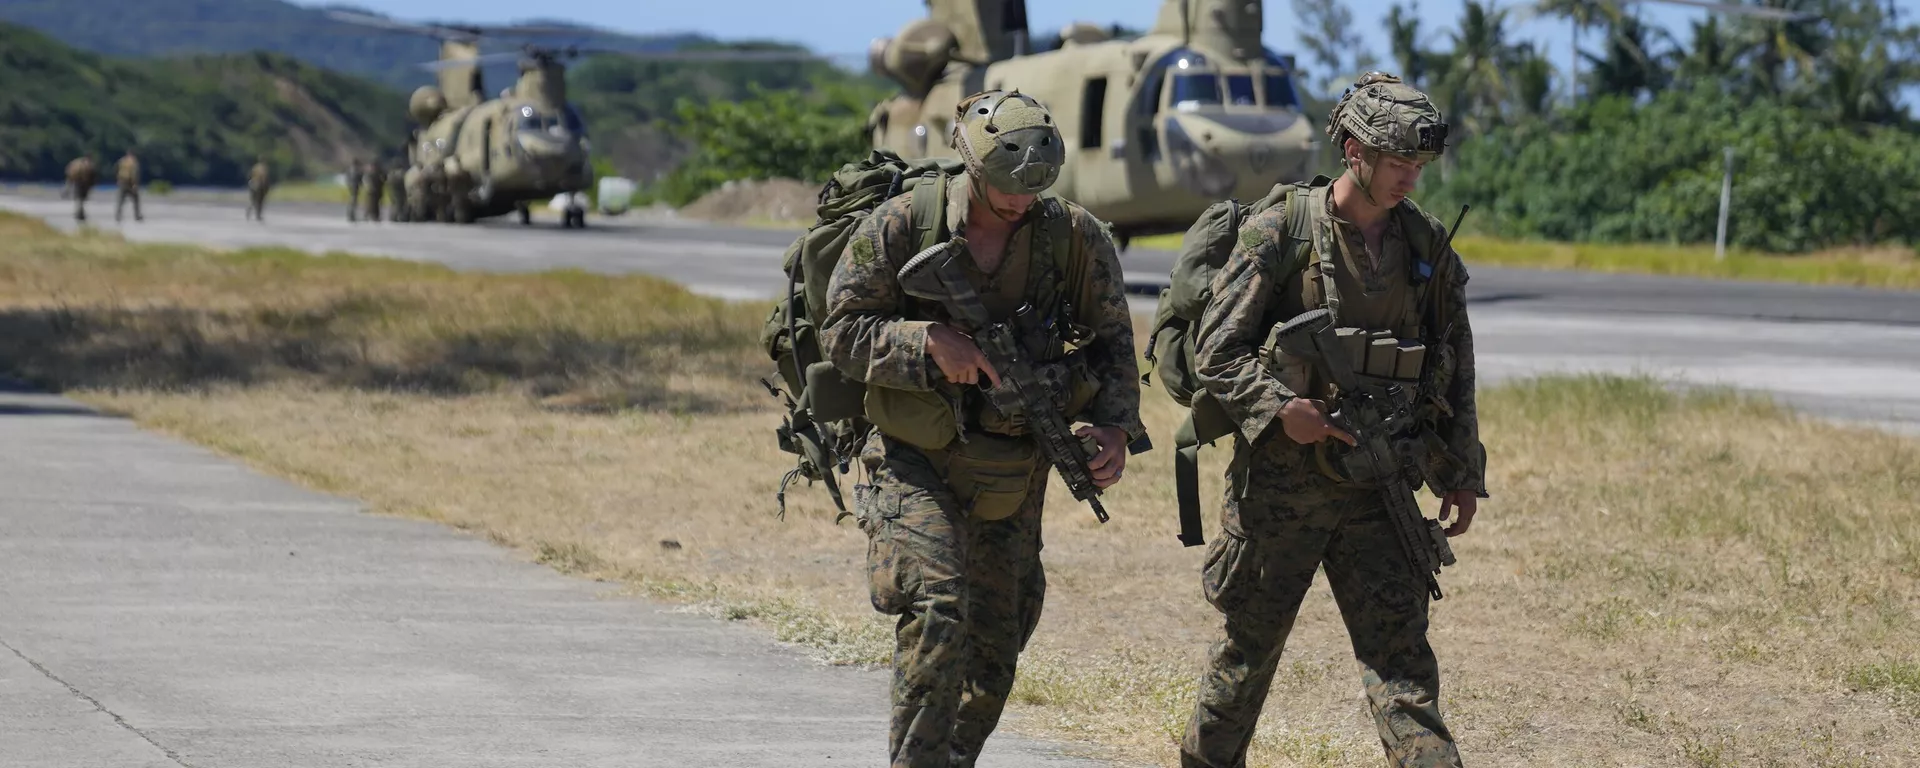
932,275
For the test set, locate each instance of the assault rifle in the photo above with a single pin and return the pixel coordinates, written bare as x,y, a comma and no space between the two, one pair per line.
932,275
1381,419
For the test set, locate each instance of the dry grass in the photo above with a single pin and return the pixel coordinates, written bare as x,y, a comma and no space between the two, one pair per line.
1879,267
1661,579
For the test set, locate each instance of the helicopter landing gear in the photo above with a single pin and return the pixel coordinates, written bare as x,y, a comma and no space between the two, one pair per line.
573,218
526,214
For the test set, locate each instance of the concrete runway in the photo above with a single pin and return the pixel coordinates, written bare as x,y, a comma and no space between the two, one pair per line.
160,606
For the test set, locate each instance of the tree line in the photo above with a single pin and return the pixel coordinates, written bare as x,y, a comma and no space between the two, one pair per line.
1825,152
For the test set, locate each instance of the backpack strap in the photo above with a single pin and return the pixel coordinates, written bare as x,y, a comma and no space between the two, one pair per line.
1320,228
929,210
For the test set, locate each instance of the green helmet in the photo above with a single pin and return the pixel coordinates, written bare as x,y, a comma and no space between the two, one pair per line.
1008,138
1388,115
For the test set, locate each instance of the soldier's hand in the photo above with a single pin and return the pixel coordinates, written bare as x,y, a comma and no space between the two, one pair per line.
1111,460
959,359
1306,422
1466,502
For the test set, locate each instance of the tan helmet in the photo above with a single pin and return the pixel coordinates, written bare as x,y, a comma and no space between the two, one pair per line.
1390,116
1008,138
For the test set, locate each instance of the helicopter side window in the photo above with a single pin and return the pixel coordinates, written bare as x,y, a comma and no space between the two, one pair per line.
1093,113
1240,90
574,123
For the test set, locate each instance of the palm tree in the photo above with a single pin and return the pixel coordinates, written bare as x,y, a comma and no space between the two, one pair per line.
1713,55
1403,35
1628,65
1583,14
1476,86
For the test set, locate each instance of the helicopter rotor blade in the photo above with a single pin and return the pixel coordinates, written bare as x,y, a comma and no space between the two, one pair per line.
394,25
1756,11
472,61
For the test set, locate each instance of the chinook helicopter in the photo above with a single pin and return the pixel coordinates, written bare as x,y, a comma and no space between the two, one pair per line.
530,144
1157,128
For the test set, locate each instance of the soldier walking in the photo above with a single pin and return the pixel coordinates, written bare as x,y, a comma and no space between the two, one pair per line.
356,175
82,175
954,525
376,182
1290,516
259,180
459,192
127,176
397,196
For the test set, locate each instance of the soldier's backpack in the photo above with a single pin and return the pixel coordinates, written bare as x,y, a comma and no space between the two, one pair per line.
1176,331
824,424
1176,326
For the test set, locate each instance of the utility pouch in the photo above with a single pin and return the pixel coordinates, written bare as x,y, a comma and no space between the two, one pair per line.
991,475
922,419
893,575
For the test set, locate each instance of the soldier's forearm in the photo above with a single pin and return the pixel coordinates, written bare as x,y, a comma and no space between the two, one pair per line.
880,351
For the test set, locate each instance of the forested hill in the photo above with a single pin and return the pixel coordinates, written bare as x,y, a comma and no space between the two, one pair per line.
166,28
194,120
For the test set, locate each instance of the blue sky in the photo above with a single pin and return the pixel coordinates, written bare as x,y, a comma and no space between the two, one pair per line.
850,24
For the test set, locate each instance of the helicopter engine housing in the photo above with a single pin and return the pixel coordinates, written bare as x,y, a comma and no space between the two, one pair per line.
916,57
426,105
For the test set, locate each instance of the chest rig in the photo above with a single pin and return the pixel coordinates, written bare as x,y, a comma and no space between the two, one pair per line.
1403,369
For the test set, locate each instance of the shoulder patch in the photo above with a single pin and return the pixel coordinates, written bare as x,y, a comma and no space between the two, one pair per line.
862,251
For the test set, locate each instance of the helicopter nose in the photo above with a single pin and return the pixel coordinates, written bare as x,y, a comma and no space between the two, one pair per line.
1219,155
1198,170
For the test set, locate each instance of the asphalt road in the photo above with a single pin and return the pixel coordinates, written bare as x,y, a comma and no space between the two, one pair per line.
162,607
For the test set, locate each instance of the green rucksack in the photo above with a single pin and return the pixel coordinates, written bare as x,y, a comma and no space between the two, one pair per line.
824,424
1176,331
1176,325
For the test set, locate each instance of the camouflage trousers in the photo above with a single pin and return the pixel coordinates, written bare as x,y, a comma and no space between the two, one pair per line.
1258,582
968,593
257,204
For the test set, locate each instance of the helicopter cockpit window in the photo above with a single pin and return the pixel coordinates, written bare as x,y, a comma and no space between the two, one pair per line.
1279,82
1240,90
1195,89
574,123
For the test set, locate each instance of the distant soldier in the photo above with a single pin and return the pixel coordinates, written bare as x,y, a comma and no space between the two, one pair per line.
437,208
356,173
81,176
416,183
259,180
376,188
127,174
459,192
397,197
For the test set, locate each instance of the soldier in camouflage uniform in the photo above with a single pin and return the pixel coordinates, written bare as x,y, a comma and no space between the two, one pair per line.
259,181
82,175
398,208
952,506
127,175
376,189
356,178
1285,516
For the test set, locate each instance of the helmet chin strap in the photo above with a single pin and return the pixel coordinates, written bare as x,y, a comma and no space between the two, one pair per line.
1363,181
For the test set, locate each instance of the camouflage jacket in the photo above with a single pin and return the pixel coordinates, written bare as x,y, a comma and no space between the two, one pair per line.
869,334
1249,298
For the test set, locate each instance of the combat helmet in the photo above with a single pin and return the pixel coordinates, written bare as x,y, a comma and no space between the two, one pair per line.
1388,115
1008,139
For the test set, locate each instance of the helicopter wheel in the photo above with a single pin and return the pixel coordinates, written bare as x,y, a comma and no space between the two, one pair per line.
526,216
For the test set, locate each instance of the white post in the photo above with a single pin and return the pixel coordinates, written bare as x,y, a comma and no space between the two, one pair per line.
1726,201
